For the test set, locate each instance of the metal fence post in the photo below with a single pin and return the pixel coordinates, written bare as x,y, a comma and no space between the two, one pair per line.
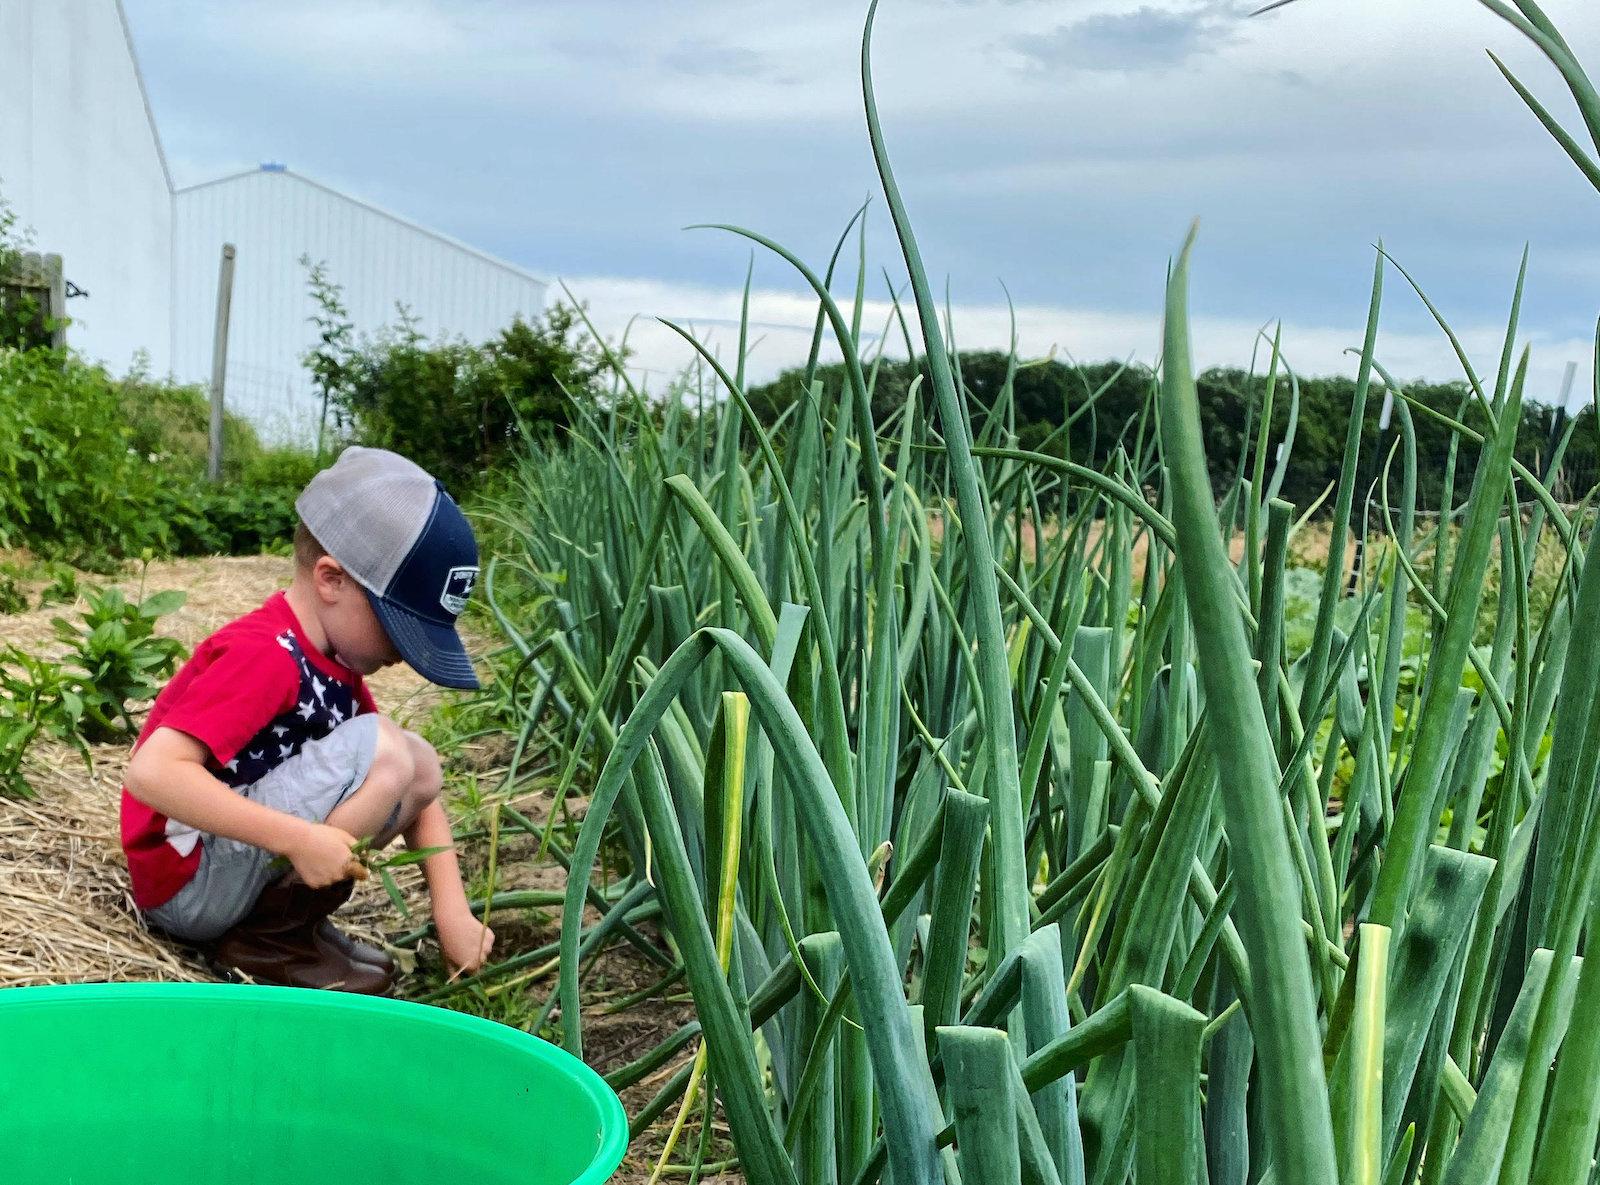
219,361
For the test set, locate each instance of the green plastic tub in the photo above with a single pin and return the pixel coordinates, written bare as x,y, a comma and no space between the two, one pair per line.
158,1084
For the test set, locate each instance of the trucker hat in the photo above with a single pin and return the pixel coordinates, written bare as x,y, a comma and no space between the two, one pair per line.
393,528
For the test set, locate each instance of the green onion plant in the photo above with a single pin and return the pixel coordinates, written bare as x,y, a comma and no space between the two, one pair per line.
999,833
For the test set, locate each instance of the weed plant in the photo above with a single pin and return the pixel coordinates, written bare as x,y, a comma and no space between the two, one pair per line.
114,661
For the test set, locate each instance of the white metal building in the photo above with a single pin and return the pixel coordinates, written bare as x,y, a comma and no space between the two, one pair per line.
274,218
82,166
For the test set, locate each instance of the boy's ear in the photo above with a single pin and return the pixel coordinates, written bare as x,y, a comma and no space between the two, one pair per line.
328,578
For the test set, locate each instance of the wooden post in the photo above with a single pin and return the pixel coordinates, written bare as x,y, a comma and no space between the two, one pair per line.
219,360
40,279
55,303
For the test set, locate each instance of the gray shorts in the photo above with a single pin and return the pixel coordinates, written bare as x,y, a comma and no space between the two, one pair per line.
232,873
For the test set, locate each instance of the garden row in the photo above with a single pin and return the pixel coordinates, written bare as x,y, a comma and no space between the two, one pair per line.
1008,846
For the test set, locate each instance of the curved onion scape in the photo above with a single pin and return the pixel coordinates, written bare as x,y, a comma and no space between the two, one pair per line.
1005,829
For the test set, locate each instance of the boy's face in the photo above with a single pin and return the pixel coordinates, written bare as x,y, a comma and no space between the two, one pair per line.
355,635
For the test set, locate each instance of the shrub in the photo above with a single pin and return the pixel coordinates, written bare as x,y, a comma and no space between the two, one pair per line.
453,407
69,479
93,469
202,519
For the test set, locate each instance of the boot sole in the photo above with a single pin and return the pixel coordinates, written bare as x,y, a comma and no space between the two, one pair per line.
234,975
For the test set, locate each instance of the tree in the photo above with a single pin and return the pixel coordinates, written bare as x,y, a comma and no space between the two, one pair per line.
1046,391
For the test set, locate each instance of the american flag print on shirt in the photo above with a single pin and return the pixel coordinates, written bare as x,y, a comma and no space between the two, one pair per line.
322,705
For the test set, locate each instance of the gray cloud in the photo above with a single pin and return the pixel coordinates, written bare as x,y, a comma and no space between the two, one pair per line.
1144,39
704,58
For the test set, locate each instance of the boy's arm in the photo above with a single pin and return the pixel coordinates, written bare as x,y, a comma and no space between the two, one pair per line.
464,939
168,772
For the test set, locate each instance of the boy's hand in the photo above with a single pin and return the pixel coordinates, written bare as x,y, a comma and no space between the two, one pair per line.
323,857
464,940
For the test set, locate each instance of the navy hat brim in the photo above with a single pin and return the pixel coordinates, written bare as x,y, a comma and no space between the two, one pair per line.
434,651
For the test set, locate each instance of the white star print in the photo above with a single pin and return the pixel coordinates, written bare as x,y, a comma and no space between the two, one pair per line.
338,716
306,710
254,756
233,766
285,751
286,642
279,729
318,686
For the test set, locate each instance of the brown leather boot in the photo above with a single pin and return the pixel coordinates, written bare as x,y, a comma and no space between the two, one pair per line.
280,942
330,900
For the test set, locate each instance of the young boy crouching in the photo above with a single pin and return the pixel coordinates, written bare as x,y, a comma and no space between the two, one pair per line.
267,743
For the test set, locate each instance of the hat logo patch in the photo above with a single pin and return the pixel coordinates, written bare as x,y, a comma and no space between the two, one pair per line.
458,584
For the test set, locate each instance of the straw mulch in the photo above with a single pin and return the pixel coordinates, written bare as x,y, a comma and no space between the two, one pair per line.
65,912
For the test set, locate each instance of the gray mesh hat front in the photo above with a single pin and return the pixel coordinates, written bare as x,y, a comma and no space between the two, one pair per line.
396,531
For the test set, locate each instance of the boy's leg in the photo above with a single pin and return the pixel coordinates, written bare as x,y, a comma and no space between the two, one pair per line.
233,874
404,777
395,775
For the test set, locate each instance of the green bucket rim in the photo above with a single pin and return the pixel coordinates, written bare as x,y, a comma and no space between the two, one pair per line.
613,1142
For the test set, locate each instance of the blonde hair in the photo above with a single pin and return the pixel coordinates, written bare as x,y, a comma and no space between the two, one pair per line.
307,550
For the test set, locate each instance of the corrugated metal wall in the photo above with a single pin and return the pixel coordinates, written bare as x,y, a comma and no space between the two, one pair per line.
274,217
81,165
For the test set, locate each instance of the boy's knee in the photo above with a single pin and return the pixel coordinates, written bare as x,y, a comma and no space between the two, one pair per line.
393,759
427,779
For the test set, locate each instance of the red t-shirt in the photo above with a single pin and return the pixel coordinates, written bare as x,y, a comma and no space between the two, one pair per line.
253,693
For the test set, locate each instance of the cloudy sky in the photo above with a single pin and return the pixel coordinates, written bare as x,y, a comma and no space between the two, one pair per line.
1058,146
